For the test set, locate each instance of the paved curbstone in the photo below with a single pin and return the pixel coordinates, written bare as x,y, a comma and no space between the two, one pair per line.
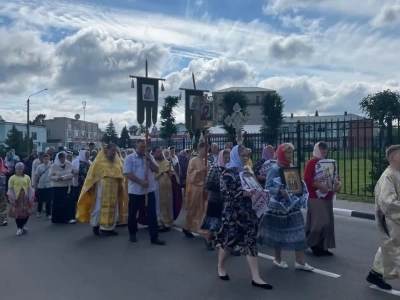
353,213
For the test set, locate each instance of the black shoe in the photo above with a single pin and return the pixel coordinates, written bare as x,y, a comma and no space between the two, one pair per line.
109,232
96,230
187,233
133,238
235,253
209,245
327,253
5,223
265,286
224,277
158,242
317,251
378,280
164,229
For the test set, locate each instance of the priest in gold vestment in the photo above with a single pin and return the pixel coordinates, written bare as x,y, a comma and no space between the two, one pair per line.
387,203
196,193
102,195
163,191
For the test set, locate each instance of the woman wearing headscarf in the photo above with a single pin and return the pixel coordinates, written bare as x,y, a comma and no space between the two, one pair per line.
268,153
320,226
283,229
212,220
61,174
82,165
3,198
21,195
36,162
239,219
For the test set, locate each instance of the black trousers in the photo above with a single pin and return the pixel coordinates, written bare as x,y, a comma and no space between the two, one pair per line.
134,202
44,195
21,222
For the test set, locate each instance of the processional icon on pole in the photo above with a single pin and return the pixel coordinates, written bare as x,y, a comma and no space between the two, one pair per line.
237,120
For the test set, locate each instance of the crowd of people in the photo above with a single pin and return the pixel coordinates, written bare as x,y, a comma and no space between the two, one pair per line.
113,187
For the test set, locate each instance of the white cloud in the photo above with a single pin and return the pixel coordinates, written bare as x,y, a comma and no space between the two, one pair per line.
389,15
307,94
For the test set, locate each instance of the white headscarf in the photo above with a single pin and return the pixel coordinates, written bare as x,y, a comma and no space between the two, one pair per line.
57,160
81,157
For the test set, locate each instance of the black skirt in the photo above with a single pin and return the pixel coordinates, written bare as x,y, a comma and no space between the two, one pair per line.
63,208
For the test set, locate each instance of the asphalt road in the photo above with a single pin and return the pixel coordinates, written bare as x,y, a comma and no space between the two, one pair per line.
66,262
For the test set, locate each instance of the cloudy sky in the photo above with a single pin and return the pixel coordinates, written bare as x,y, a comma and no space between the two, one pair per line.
318,54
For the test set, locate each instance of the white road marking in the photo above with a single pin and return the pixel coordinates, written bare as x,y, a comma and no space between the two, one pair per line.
317,271
393,292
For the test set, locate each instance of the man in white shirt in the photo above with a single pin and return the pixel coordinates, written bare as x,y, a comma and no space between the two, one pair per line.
135,170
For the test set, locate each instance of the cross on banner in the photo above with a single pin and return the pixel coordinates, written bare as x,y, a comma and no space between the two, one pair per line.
237,120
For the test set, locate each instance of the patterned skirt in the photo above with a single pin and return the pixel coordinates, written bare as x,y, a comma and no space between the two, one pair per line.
213,220
283,231
21,208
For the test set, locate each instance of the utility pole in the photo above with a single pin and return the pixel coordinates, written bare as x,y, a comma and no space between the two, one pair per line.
84,121
28,102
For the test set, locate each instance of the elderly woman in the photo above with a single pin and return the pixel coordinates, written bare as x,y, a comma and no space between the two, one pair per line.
285,229
267,154
212,220
320,227
239,219
61,174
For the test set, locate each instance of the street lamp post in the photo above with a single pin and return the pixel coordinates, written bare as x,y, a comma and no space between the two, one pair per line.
84,121
28,102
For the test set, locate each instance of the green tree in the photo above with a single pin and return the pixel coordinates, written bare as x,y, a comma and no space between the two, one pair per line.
38,120
15,140
229,99
272,116
111,135
31,146
124,139
377,107
316,113
137,130
168,127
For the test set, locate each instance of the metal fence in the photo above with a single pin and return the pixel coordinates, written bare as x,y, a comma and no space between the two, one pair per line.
357,146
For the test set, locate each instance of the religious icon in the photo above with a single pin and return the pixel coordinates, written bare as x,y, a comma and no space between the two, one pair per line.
329,169
291,178
250,181
148,92
192,103
206,111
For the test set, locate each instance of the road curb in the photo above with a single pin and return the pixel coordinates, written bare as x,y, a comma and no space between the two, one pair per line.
353,213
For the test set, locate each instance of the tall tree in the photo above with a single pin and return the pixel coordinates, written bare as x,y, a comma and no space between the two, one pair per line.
111,135
168,127
15,140
124,139
38,120
272,112
377,107
316,113
133,129
227,102
137,130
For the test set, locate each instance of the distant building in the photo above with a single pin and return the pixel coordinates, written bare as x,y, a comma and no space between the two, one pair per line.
254,95
38,133
71,133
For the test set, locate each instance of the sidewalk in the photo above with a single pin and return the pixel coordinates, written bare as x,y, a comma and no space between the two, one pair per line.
354,209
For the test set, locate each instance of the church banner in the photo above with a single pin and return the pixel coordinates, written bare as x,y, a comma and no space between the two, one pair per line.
147,101
190,109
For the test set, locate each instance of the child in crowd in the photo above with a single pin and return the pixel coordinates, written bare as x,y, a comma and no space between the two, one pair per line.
21,197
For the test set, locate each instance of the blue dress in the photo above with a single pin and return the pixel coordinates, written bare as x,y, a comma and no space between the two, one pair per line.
284,230
239,220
